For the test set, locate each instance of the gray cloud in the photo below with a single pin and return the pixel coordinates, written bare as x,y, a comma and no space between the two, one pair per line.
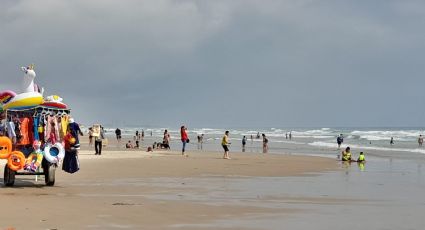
222,63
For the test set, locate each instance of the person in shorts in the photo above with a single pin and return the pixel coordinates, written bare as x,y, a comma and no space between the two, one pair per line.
225,143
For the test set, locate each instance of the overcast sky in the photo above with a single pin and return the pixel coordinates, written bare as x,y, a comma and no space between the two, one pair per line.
230,63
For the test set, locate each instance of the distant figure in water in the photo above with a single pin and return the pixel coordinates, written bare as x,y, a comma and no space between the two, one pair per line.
339,140
258,135
392,141
420,140
243,143
290,135
286,135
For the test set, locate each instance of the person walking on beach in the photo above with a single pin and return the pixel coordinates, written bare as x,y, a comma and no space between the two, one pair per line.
420,140
118,134
98,142
225,144
265,143
75,131
90,136
243,143
392,141
339,140
166,140
202,140
184,138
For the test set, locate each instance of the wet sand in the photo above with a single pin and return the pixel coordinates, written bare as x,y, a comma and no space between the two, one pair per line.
133,189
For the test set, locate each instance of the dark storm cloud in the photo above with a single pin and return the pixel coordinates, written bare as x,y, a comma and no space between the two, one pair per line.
222,63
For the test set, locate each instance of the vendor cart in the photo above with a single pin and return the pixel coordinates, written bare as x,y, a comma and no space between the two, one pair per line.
46,168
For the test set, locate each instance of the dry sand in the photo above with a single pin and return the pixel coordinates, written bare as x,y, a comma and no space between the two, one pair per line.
113,191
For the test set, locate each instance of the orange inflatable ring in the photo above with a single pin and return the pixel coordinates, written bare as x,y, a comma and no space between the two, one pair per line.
16,161
5,147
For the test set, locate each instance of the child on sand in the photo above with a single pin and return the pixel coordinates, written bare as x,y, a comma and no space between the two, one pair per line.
129,145
361,158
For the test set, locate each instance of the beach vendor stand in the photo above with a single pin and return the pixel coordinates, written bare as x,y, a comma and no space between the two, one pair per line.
37,140
34,129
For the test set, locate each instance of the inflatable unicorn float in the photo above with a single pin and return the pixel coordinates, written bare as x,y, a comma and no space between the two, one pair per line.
32,95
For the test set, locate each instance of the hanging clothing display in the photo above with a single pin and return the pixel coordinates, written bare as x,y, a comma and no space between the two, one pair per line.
25,131
35,128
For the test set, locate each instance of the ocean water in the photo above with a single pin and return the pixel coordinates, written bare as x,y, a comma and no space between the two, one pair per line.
384,193
316,141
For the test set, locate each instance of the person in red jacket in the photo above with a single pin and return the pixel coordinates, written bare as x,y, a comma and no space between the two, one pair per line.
184,138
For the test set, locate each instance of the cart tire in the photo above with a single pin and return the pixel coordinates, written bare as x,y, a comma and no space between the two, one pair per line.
9,176
49,174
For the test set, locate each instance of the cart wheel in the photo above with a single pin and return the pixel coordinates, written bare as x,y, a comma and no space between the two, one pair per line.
49,174
9,176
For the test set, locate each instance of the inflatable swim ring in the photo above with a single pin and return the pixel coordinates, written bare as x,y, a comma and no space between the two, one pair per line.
54,153
16,161
5,147
24,100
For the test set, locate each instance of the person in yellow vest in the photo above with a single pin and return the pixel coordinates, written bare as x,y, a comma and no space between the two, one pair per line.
225,143
361,158
346,154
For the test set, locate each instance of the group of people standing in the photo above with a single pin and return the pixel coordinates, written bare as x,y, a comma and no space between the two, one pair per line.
225,143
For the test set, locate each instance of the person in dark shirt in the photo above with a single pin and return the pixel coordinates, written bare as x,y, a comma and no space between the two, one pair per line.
75,130
118,134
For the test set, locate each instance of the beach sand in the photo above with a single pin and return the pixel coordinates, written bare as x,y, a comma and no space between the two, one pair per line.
133,189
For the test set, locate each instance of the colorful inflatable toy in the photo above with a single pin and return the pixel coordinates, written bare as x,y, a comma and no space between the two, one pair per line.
16,160
23,101
54,101
54,153
5,147
34,159
6,96
31,96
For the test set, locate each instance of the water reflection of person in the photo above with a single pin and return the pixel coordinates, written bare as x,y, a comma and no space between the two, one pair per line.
361,165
